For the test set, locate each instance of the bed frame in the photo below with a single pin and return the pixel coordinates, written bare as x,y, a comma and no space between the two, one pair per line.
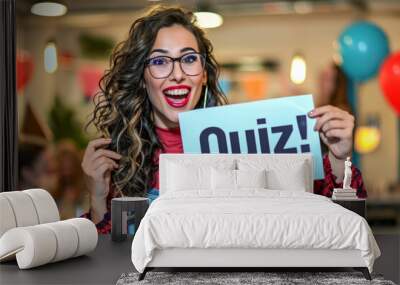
248,259
260,259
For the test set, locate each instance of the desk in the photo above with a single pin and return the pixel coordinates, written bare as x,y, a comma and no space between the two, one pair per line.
110,259
104,265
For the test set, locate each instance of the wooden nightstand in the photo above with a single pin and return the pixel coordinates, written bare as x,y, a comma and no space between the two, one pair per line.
357,205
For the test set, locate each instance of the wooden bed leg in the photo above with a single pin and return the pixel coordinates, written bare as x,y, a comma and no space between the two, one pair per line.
143,274
364,271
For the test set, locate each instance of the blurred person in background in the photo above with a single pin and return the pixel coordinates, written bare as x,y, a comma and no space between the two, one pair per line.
37,167
74,199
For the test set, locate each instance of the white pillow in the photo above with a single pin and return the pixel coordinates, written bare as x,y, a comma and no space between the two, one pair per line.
182,177
283,172
251,178
184,172
294,179
223,179
237,179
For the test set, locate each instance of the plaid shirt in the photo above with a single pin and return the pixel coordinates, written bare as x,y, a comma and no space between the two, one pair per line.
322,187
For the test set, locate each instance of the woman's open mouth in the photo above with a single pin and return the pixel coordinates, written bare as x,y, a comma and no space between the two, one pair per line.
177,96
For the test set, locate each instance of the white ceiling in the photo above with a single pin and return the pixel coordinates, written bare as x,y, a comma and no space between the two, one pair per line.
223,6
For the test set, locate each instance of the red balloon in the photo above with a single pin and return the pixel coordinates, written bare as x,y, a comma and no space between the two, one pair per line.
24,64
389,79
89,78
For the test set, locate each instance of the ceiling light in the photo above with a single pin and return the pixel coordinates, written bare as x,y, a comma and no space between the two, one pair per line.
50,57
48,9
298,69
208,20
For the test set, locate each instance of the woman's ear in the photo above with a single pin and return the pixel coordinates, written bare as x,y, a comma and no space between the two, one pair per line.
205,77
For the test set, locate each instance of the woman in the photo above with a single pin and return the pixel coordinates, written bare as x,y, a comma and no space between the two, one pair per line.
166,67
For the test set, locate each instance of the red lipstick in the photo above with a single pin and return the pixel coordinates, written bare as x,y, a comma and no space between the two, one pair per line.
177,99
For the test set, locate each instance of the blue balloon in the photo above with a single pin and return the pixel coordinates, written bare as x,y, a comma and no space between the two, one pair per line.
225,85
363,47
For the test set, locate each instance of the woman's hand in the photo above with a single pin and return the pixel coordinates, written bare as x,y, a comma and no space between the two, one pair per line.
335,127
97,164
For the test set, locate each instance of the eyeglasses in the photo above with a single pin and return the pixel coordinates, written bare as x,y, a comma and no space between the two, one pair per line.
191,64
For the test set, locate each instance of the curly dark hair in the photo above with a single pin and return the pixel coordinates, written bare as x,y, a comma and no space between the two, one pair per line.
339,94
123,111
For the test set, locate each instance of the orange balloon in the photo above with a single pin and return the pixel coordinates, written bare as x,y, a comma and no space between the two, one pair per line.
255,85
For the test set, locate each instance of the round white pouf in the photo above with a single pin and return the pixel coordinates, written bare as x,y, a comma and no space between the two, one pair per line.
67,239
23,208
7,218
87,235
45,205
33,246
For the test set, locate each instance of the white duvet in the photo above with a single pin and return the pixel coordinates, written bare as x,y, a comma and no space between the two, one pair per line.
253,218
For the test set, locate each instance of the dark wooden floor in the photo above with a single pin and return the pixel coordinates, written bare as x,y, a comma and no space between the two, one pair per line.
389,262
106,264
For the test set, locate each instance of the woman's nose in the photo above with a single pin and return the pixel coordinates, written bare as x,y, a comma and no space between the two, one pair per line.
177,72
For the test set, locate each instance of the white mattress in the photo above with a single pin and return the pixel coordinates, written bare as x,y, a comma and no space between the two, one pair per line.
252,218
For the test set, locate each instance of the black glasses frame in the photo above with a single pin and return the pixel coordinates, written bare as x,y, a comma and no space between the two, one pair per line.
173,59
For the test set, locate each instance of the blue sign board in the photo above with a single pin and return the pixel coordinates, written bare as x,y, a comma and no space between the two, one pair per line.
278,125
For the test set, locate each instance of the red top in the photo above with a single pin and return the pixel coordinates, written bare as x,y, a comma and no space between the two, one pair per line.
172,143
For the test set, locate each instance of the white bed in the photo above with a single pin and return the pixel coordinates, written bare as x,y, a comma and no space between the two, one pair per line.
201,219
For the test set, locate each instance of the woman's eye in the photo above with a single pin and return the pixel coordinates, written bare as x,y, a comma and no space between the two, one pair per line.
189,58
158,61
